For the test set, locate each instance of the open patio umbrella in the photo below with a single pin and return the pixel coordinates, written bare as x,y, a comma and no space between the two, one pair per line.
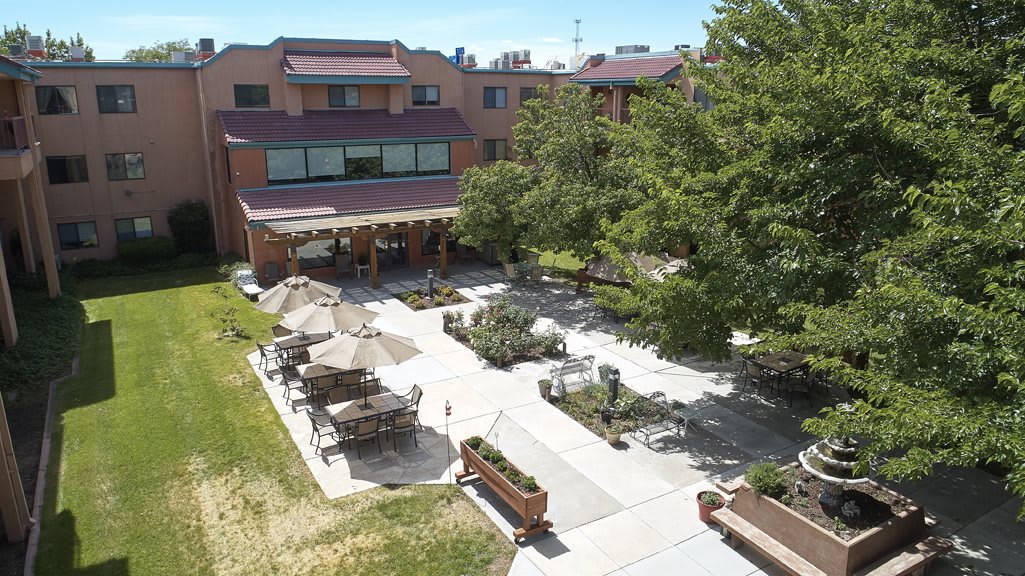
327,315
672,267
606,269
366,347
293,293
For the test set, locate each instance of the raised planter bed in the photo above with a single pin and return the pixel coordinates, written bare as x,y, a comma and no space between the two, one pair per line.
444,295
531,507
819,546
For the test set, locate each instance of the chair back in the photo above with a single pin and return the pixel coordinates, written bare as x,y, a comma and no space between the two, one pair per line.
414,398
373,387
352,378
752,369
535,274
510,270
318,419
263,349
338,395
367,427
403,421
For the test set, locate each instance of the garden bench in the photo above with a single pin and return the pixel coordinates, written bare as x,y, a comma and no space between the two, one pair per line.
740,531
913,559
577,369
655,415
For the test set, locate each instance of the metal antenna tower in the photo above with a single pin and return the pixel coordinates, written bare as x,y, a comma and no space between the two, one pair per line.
576,41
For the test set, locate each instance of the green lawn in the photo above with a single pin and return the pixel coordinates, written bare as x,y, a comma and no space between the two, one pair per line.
168,458
559,264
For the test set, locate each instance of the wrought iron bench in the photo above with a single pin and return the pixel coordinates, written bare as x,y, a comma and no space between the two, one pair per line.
576,370
654,415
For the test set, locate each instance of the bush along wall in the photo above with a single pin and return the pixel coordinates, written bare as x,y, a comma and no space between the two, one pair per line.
144,251
191,227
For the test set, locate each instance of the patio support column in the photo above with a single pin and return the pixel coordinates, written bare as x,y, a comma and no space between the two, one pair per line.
295,260
13,506
53,283
23,230
8,325
443,245
373,261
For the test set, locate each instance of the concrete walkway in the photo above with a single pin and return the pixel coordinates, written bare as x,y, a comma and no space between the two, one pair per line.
628,509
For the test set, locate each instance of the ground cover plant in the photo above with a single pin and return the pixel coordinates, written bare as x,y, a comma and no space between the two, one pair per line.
169,459
527,485
504,333
444,295
586,406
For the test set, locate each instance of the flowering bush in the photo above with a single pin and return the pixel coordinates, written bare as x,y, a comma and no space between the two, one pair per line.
501,332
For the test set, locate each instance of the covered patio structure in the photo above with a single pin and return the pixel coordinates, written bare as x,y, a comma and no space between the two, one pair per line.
369,228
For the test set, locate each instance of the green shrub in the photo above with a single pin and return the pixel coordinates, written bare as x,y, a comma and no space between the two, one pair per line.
709,498
146,251
411,297
621,300
439,300
191,227
446,291
766,478
474,442
550,341
48,340
530,484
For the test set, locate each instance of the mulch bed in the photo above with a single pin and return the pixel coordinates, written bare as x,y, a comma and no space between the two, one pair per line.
463,337
585,405
877,505
418,300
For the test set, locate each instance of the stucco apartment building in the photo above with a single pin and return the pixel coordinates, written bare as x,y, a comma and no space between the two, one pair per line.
324,157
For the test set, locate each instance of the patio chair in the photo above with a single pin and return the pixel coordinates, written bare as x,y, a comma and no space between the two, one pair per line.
268,354
403,423
373,387
512,275
753,374
413,399
366,430
338,395
801,383
320,421
291,380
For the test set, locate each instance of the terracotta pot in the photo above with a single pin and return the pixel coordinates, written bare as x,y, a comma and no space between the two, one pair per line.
704,510
612,437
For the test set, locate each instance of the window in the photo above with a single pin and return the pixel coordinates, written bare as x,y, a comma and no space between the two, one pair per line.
317,254
286,165
432,158
57,100
325,164
132,228
252,96
429,243
494,97
343,96
399,159
426,96
116,99
363,162
66,169
77,235
125,167
494,149
527,94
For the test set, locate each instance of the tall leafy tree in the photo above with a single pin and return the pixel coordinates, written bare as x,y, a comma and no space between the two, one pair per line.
489,205
56,49
158,52
867,206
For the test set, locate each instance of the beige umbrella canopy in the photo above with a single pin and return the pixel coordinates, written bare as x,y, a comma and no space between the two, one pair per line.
327,315
367,347
606,269
293,293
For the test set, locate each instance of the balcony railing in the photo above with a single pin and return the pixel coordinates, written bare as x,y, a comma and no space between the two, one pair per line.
13,133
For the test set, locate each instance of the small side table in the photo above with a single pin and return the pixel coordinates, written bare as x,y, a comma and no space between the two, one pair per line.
360,268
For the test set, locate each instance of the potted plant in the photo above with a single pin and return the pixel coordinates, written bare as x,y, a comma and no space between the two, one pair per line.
612,433
362,259
544,386
708,502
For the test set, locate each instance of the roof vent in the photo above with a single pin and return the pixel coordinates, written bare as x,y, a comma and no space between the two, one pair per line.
35,43
17,52
178,57
77,53
421,48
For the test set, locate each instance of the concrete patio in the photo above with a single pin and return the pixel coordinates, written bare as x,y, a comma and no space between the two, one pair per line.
628,509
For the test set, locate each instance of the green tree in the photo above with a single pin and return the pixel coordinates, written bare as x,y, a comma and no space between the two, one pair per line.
865,204
489,204
158,52
55,49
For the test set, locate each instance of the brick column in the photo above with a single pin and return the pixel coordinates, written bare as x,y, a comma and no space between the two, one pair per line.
24,231
8,326
53,283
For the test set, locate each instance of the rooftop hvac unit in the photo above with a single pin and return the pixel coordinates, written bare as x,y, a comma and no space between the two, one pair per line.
77,53
506,56
526,54
421,48
681,47
190,56
17,52
178,57
633,49
495,63
35,43
470,59
205,45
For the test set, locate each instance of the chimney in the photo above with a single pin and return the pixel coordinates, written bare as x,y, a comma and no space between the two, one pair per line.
77,53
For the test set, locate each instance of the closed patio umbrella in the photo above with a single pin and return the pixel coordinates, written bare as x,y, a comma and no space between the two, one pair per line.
327,315
366,347
293,293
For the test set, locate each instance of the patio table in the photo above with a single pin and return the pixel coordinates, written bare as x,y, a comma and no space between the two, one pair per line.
380,405
782,364
291,348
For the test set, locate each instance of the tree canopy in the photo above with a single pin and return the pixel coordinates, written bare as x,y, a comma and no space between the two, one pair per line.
855,192
56,49
158,52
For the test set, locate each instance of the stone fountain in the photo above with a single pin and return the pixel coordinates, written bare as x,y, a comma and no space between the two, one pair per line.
833,460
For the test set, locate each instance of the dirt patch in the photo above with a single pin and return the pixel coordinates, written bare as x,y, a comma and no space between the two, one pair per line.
876,505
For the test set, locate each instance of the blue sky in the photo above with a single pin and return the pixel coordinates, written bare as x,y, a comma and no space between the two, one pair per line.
546,28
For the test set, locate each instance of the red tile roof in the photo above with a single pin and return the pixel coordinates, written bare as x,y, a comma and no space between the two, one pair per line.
277,126
623,68
335,199
323,63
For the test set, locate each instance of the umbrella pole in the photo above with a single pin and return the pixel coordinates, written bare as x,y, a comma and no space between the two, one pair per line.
366,403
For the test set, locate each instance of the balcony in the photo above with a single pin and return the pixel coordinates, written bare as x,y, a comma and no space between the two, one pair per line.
15,153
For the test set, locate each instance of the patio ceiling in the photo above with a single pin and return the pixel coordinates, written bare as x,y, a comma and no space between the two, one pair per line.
301,231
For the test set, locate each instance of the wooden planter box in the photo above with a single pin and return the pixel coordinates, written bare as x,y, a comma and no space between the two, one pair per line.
529,508
822,548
